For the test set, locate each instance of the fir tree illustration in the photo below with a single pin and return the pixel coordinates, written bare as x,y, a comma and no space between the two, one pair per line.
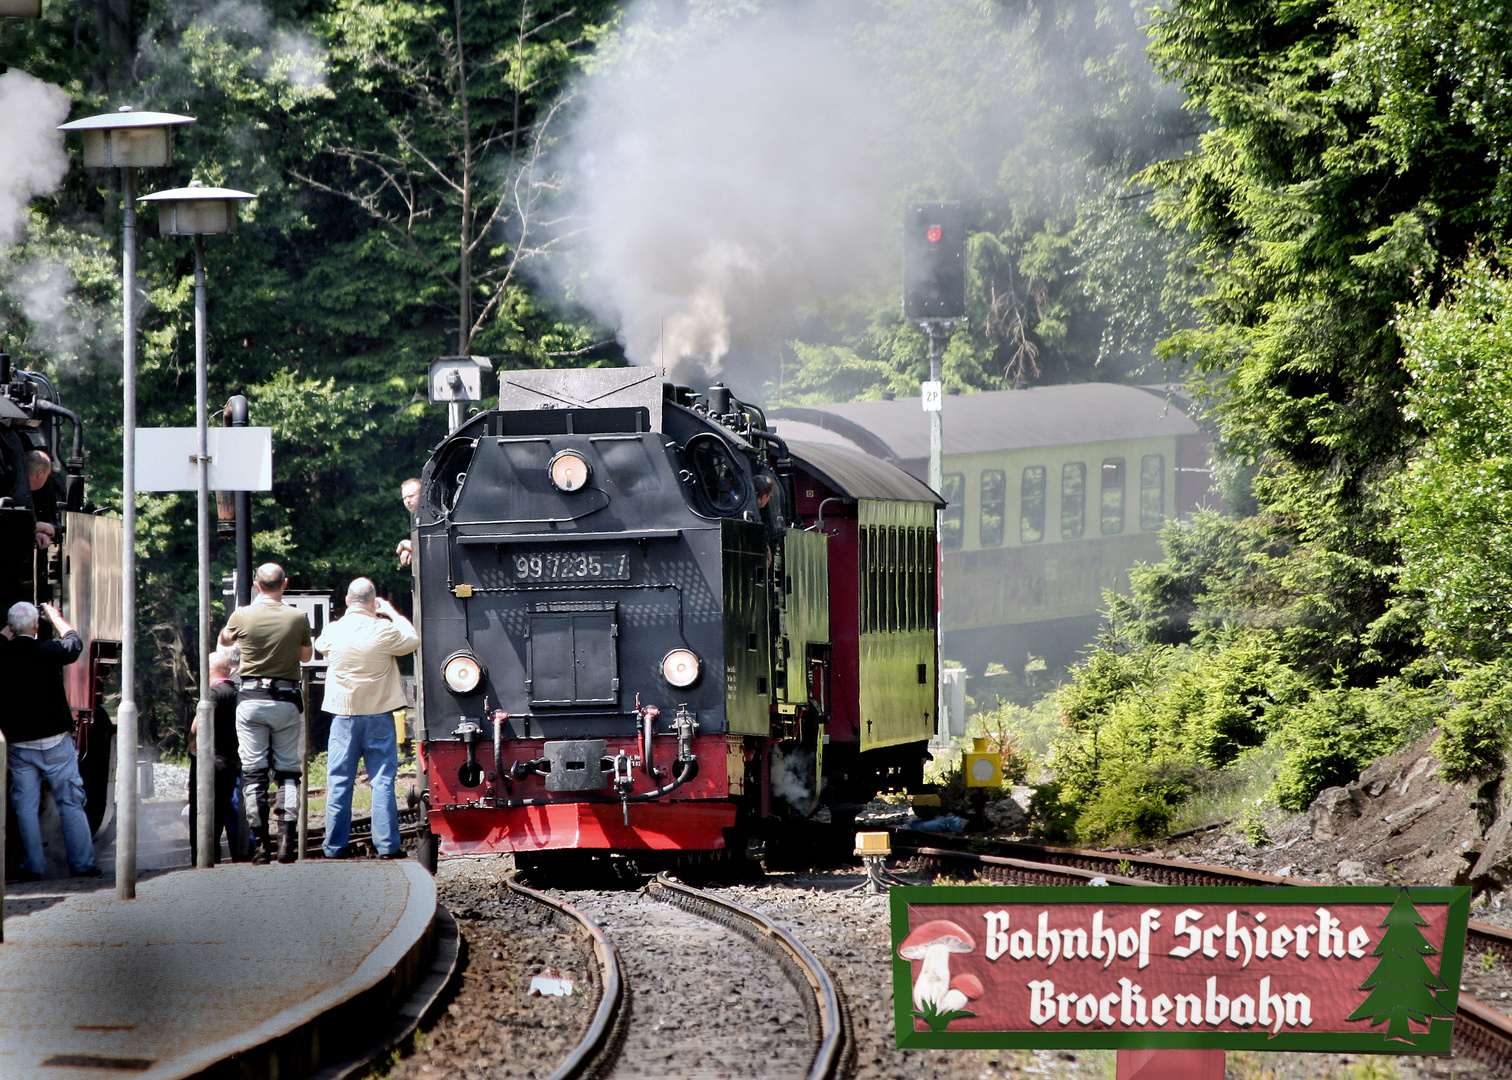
1402,985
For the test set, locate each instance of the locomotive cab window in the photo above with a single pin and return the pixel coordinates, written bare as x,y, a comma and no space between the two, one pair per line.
1112,496
1073,514
994,497
717,480
953,491
1032,505
1151,492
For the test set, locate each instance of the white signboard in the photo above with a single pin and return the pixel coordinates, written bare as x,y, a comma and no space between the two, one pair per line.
241,459
930,392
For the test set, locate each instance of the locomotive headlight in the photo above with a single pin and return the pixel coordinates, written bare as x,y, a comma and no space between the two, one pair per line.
462,673
680,667
569,471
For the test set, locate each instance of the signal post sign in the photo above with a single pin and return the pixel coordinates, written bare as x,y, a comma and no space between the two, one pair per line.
1344,970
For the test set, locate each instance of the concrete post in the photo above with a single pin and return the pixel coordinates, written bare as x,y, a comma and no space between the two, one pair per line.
204,791
126,713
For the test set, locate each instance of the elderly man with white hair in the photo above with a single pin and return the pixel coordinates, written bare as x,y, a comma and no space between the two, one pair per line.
38,724
363,688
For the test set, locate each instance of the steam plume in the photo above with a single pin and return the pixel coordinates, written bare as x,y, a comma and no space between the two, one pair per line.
727,175
33,161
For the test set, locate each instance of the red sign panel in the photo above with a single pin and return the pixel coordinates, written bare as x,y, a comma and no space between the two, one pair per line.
1348,969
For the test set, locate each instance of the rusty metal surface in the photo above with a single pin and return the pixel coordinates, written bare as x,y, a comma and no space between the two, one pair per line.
203,965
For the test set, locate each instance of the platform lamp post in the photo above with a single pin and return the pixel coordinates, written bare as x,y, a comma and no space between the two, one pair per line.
200,211
127,140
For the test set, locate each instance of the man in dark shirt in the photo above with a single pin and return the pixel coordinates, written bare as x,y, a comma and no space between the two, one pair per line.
38,724
223,692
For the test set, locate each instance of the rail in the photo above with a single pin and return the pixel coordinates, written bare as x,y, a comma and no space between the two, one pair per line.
610,1015
831,1012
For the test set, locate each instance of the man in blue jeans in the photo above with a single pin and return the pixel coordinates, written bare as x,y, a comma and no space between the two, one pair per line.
363,689
38,725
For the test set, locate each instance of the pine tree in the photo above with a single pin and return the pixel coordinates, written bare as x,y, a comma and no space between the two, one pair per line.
1402,985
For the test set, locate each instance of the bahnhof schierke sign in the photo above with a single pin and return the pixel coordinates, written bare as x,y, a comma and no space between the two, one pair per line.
1345,970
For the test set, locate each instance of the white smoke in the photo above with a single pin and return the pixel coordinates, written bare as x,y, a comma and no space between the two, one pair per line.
793,778
273,50
725,176
33,161
65,325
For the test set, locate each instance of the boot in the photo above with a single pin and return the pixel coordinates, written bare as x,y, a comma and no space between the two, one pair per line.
259,845
288,841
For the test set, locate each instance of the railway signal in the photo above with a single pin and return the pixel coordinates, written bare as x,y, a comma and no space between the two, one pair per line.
455,380
934,261
934,295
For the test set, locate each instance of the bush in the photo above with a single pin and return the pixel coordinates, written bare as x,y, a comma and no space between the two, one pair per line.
1336,733
1473,739
1140,805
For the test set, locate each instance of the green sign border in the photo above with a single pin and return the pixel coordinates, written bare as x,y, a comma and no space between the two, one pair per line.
1371,1040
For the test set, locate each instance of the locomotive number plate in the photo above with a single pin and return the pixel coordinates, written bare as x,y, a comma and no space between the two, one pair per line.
571,566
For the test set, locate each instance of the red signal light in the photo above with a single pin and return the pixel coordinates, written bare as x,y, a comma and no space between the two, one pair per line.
934,234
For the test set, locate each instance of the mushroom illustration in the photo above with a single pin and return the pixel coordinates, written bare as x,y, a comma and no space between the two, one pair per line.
963,988
933,943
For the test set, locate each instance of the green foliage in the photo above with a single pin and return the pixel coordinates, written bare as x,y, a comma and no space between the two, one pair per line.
1474,730
1454,500
1336,732
1138,805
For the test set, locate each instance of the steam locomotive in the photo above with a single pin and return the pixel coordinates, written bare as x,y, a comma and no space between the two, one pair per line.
650,625
80,571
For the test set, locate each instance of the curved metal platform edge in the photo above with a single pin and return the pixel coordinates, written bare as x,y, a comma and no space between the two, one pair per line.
333,1029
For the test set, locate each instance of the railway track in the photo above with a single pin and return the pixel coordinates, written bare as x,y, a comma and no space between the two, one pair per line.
1481,1033
641,1026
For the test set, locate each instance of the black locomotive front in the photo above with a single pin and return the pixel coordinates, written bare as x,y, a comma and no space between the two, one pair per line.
592,573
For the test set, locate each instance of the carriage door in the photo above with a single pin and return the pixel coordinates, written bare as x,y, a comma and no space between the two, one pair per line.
572,656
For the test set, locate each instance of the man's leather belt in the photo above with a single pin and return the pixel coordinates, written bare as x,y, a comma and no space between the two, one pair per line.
269,684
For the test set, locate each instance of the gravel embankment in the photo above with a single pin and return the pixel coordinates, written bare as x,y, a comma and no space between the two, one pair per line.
492,1027
705,1002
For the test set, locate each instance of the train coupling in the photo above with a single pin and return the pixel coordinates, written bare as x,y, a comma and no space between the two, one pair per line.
624,780
685,724
471,773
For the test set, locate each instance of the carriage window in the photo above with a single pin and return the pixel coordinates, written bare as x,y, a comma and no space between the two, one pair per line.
927,551
1032,505
930,589
1151,491
1073,500
1112,496
953,491
911,578
895,579
994,496
868,578
715,474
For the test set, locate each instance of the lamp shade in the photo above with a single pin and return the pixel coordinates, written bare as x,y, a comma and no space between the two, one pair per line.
21,9
126,138
197,210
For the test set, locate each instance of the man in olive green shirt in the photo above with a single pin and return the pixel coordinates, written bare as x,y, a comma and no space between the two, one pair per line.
274,639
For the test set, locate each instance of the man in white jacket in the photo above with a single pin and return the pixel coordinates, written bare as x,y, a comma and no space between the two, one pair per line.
363,689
